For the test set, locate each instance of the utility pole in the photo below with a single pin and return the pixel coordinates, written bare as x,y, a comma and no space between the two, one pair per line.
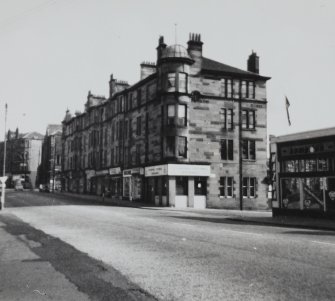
4,178
54,164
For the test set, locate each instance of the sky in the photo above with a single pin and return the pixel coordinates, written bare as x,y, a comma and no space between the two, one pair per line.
52,52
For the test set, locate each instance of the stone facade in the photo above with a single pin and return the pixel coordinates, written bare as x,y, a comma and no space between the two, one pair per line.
191,132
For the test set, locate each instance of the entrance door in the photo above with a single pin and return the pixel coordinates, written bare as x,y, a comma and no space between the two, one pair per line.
330,195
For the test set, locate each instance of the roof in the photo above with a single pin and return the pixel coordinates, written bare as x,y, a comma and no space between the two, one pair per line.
304,135
53,129
32,135
214,66
175,51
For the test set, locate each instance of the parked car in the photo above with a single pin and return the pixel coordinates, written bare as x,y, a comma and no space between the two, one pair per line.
44,188
18,186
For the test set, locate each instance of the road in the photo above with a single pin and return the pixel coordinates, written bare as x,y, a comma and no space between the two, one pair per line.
168,254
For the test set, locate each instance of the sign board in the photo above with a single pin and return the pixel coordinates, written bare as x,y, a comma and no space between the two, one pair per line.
90,174
155,171
102,172
178,170
115,171
127,173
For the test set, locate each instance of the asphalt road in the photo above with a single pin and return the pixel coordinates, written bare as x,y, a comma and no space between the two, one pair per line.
167,254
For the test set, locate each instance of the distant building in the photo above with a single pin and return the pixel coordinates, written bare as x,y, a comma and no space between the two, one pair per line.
22,156
190,133
51,159
302,166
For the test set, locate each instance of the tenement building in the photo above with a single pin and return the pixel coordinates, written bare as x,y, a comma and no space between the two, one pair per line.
49,171
190,133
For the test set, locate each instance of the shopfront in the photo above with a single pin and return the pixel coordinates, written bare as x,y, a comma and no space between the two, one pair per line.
114,187
178,185
133,184
303,169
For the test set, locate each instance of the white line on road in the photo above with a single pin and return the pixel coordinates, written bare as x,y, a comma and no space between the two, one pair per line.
322,242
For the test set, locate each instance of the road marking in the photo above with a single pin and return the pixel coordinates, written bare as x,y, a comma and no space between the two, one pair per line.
324,243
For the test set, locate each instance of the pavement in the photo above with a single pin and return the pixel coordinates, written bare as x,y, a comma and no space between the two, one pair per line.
257,217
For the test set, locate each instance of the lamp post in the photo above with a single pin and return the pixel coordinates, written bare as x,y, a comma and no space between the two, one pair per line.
4,178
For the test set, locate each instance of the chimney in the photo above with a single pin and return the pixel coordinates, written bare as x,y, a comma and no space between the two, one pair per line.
147,68
111,86
161,46
253,62
17,133
195,46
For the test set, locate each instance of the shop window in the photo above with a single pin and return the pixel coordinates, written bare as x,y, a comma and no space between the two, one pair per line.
164,185
200,186
249,187
227,149
181,186
138,126
227,118
323,165
248,149
182,146
310,165
226,187
171,82
182,83
170,146
248,119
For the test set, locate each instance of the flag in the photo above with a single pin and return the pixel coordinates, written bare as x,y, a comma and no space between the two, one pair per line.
287,103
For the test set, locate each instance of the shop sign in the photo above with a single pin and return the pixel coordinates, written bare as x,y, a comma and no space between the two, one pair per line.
115,171
189,170
137,170
102,172
155,171
90,174
127,173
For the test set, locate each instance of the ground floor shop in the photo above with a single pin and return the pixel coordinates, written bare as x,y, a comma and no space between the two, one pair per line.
303,173
177,185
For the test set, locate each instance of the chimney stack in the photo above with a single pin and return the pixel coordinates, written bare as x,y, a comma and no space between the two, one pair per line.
253,62
147,68
195,45
111,86
161,46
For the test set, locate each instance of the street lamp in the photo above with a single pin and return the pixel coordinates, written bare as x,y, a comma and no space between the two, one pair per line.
4,178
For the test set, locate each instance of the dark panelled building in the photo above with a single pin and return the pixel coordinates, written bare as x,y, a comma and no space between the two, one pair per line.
303,169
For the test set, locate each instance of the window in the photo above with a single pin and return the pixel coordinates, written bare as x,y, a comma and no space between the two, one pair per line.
244,90
138,154
116,155
249,187
248,149
171,114
112,156
180,116
200,186
130,129
248,119
229,88
182,82
227,149
139,97
227,118
171,82
226,187
236,89
181,186
126,130
182,146
170,146
251,90
138,126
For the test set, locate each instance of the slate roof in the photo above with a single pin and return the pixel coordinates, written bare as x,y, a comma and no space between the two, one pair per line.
52,129
212,66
